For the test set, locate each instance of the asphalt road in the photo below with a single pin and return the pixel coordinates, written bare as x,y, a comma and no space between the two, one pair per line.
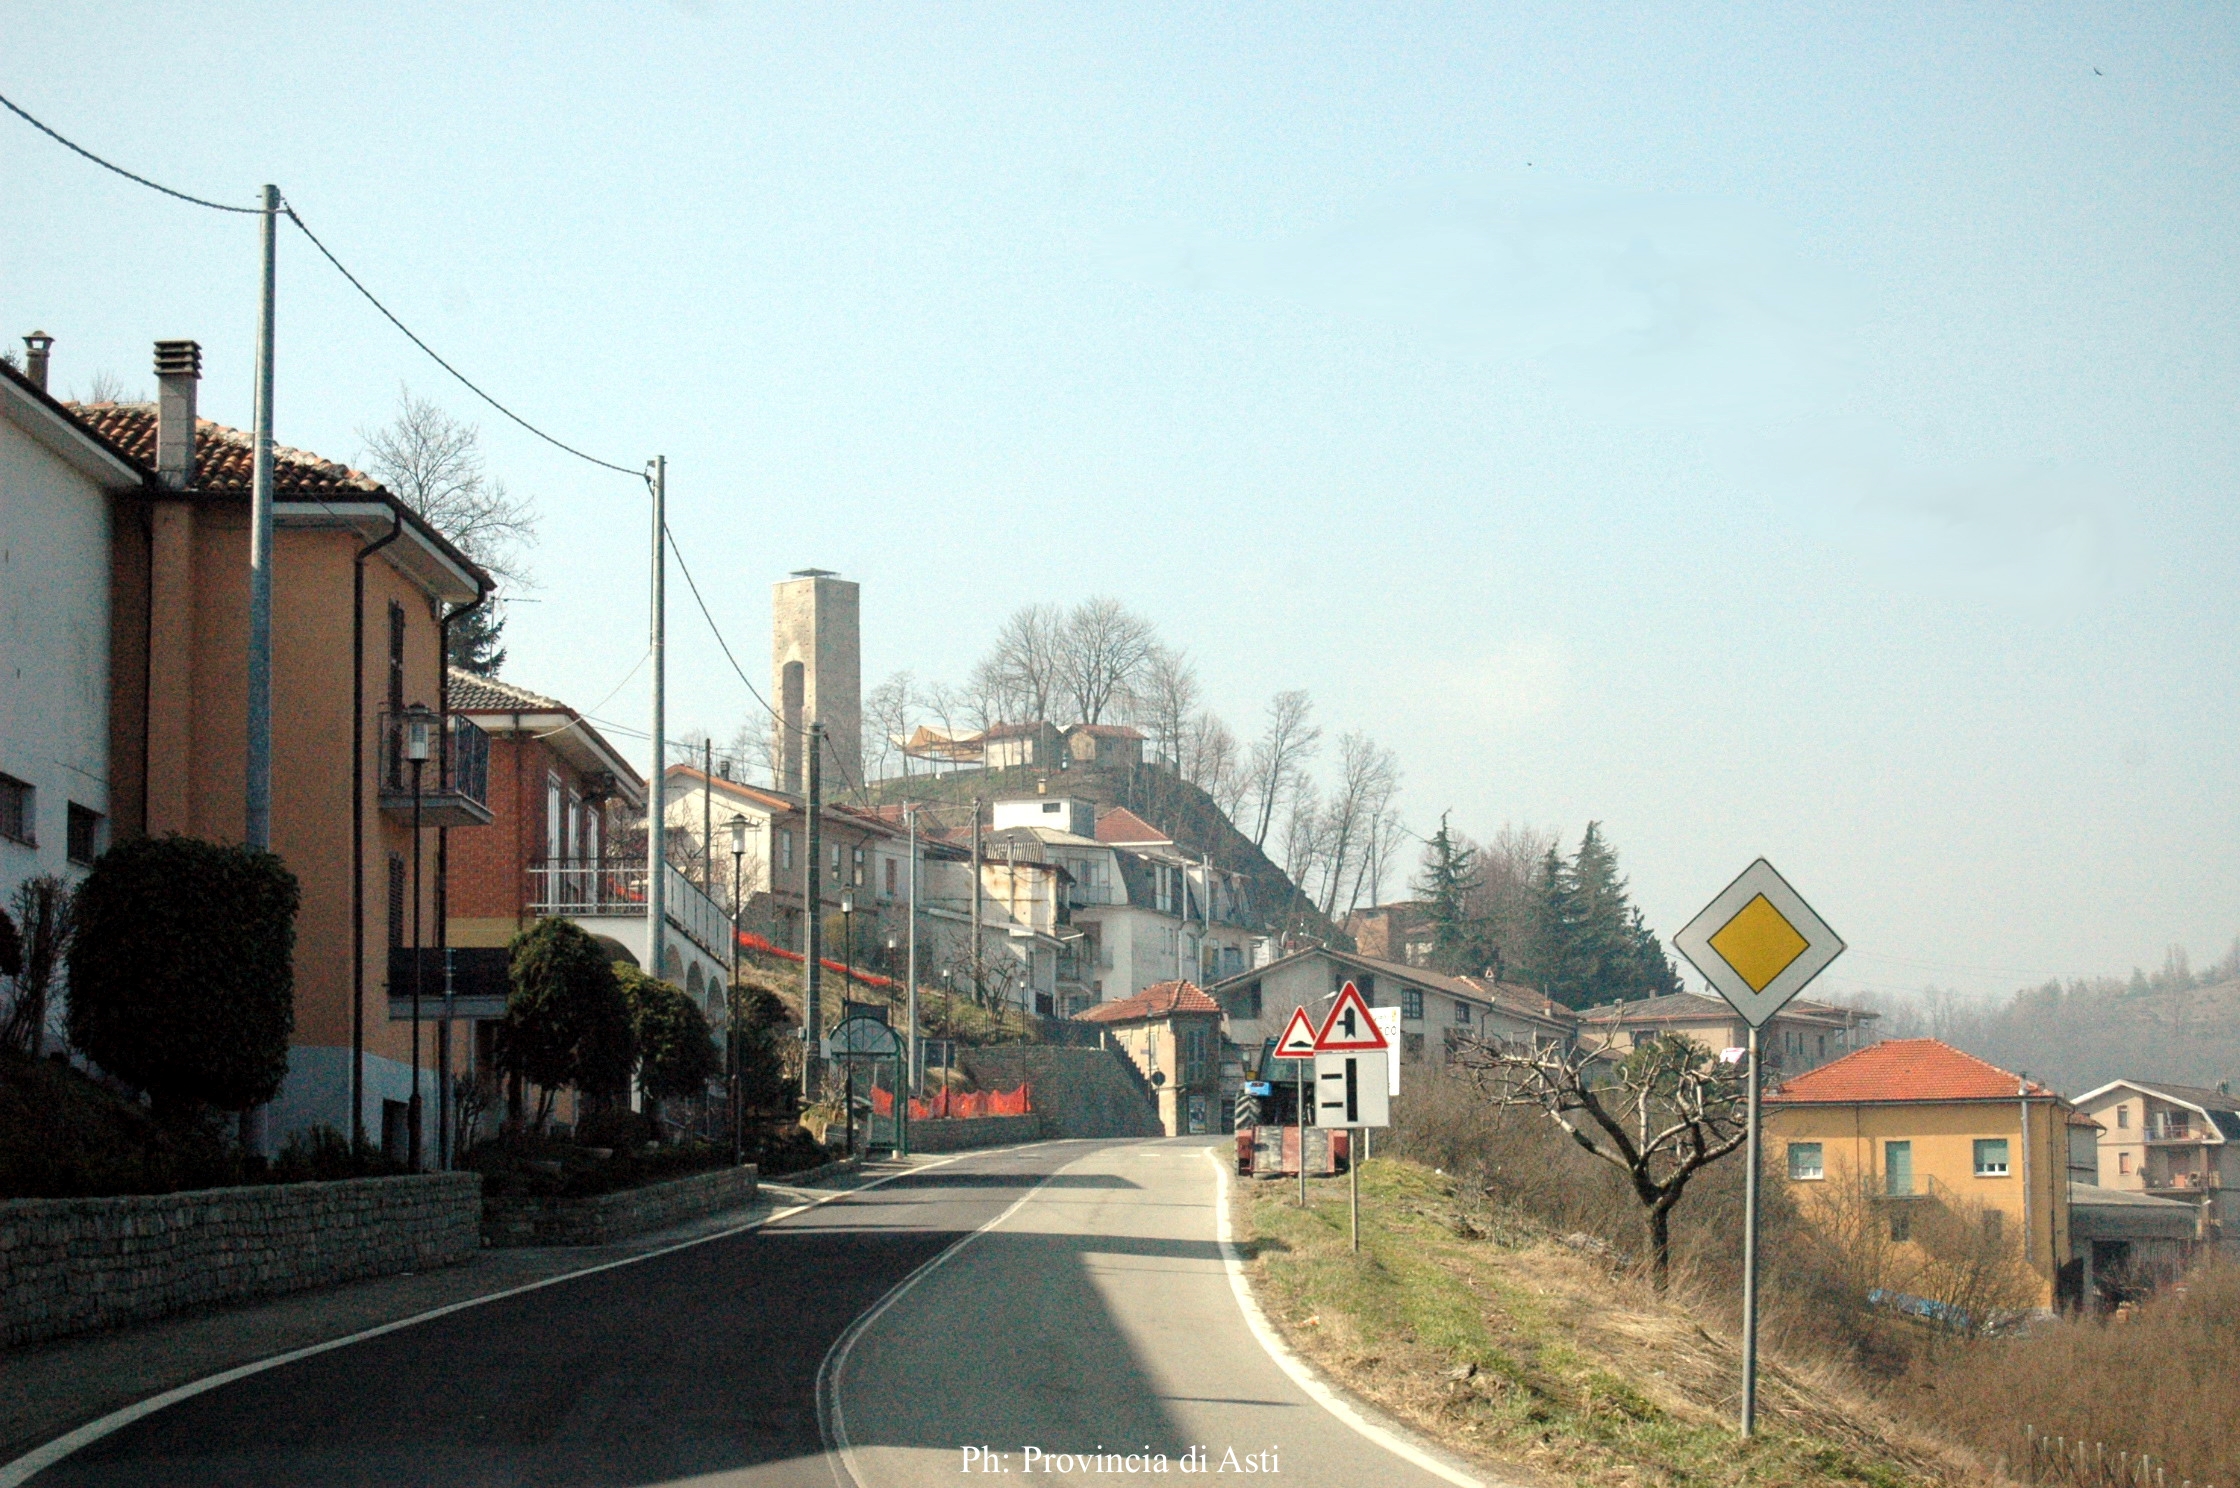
1094,1311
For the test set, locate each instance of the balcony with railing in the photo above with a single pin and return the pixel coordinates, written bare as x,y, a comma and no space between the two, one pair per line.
588,889
454,780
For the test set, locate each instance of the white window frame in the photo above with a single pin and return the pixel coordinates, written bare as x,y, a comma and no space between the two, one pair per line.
2003,1168
1819,1161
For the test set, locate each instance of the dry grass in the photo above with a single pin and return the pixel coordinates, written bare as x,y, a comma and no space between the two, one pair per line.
2164,1382
1490,1333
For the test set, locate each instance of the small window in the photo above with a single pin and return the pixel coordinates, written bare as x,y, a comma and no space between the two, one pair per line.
1411,1046
1462,1013
18,811
1411,1004
396,900
1245,1003
1052,808
2123,1162
85,834
2123,1117
396,657
1804,1161
1991,1157
893,876
858,879
1901,1223
785,850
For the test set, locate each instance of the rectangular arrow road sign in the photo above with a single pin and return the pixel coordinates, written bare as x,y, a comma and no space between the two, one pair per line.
1350,1090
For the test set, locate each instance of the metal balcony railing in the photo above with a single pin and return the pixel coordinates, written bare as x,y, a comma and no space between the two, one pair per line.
454,785
588,888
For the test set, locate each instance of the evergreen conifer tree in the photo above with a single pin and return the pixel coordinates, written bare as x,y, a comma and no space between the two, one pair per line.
1449,878
477,642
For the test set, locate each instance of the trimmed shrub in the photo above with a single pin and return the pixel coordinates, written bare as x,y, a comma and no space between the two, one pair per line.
182,980
567,1022
677,1054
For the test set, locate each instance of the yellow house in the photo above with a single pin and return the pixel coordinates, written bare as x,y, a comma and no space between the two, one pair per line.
1915,1122
1172,1032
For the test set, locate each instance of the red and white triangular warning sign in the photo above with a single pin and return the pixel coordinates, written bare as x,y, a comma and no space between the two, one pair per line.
1349,1029
1298,1037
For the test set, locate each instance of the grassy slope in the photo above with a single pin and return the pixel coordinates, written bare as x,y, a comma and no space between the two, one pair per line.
1489,1335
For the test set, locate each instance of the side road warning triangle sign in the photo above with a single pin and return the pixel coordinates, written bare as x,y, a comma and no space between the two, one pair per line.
1298,1037
1349,1028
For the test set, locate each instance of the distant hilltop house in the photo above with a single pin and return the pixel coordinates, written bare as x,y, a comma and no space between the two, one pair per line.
1803,1036
1040,745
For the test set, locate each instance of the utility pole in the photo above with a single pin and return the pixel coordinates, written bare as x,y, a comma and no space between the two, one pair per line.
910,815
657,796
812,911
257,797
708,816
979,993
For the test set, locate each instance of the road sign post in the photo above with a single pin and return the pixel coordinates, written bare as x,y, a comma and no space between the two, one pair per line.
1352,1087
1297,1045
1758,943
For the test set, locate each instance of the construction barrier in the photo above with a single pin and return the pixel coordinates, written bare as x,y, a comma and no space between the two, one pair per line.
948,1105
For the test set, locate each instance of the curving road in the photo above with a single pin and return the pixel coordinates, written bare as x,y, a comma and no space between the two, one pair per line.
1091,1310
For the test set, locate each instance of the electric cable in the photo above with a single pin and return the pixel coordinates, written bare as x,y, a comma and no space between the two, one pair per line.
108,165
464,381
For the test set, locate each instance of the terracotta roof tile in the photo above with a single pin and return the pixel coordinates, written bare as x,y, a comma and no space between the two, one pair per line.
224,458
468,693
1904,1070
1160,1000
1122,825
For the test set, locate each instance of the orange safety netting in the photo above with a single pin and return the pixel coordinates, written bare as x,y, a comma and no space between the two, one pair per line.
749,941
945,1105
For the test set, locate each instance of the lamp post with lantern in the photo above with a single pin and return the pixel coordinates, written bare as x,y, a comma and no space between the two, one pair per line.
419,723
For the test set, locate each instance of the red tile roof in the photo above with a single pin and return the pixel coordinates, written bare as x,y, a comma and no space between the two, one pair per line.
1904,1070
1122,825
224,458
1160,1000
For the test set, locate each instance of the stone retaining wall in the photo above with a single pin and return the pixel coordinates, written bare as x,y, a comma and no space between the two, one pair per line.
74,1265
980,1131
599,1219
1077,1092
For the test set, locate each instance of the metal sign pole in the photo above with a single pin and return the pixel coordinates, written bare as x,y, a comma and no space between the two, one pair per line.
1353,1183
1302,1119
1750,1257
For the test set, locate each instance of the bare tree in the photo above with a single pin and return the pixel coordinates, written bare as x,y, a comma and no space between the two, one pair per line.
45,920
886,725
1506,897
1162,699
752,754
1279,759
1303,837
433,463
107,387
1021,674
1386,834
1660,1114
1368,778
1211,761
1103,650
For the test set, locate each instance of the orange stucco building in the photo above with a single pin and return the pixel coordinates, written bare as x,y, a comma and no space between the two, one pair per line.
361,592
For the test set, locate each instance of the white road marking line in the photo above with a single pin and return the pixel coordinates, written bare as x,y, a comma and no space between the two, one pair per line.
831,1420
38,1460
1291,1364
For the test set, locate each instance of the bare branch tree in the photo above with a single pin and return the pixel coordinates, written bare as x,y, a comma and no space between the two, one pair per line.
1103,649
886,725
1280,758
1021,673
1368,778
1161,701
752,751
1660,1114
433,462
1211,761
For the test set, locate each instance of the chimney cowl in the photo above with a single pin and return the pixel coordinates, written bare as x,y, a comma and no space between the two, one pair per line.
35,348
178,369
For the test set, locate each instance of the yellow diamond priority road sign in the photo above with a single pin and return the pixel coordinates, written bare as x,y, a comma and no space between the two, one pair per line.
1758,943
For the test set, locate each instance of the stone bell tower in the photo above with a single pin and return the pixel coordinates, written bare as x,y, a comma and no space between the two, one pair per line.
816,676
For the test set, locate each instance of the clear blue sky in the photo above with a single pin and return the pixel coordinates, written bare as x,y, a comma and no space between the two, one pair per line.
1806,431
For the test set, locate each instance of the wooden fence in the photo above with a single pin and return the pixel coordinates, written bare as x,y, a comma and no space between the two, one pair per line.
2058,1462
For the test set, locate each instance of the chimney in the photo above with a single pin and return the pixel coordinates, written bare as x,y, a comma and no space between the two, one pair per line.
35,358
178,369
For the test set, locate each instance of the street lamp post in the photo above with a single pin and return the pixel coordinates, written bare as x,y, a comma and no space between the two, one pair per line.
847,993
419,743
731,993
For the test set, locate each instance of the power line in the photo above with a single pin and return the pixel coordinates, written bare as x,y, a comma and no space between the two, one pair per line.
108,165
464,381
